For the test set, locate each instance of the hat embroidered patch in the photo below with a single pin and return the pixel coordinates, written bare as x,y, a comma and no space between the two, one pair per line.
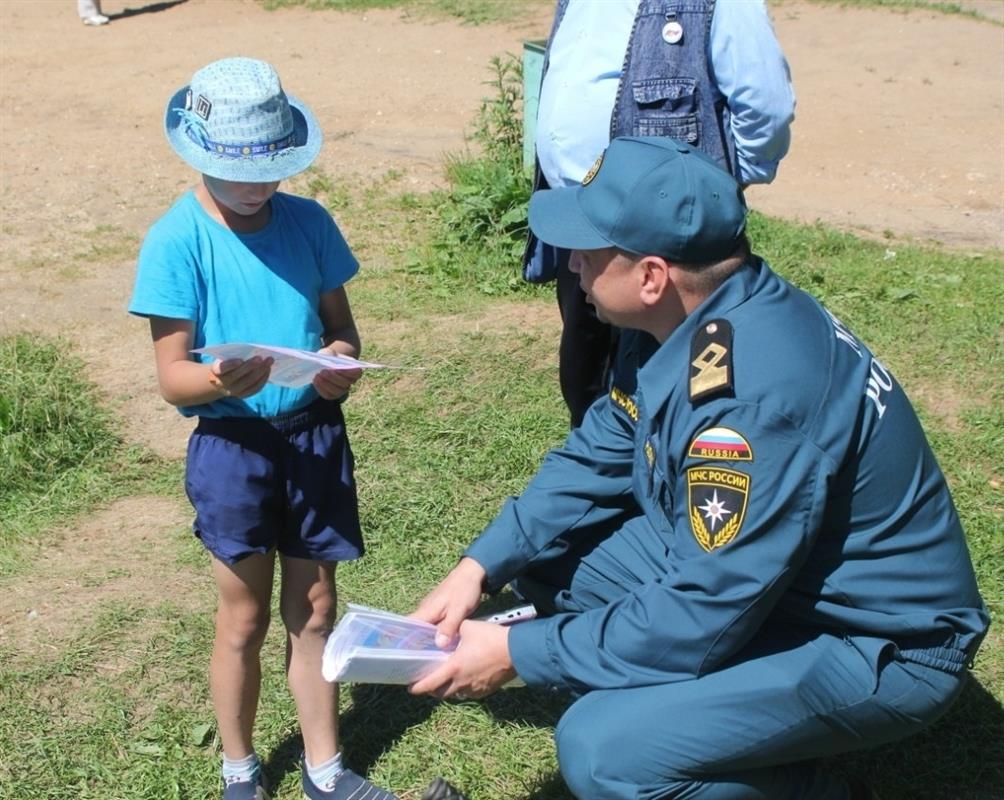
716,501
723,444
203,106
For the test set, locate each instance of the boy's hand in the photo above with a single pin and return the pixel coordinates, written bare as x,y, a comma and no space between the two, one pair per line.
334,383
240,378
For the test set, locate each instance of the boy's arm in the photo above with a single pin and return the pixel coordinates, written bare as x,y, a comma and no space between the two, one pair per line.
340,338
340,335
184,382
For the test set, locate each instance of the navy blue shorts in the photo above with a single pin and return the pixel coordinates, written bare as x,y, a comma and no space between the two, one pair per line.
284,482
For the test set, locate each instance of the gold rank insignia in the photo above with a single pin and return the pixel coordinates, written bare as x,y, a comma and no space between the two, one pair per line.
587,179
711,361
716,502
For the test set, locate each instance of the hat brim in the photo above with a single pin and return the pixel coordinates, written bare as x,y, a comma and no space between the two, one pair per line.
253,169
556,218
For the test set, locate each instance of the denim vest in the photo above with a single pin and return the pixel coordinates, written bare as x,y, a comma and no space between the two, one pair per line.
665,89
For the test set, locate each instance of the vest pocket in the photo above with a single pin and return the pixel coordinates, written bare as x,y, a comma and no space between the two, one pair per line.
667,94
684,127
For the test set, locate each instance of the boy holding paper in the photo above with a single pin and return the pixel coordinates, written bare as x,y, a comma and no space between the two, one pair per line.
269,468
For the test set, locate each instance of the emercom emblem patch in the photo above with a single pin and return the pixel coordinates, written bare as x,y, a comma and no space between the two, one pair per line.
716,501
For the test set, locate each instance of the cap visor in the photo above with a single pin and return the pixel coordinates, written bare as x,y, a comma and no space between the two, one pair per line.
557,219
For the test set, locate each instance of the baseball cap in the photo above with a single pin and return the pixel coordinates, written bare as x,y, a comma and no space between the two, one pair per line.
647,196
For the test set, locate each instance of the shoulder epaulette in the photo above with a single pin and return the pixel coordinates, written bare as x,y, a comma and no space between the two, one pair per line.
711,361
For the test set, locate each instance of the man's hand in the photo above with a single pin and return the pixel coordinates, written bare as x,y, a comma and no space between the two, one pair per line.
480,665
453,601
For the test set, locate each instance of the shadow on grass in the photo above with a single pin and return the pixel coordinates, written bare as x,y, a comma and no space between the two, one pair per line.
958,756
378,717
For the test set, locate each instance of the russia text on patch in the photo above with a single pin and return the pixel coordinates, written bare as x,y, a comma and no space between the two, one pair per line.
722,444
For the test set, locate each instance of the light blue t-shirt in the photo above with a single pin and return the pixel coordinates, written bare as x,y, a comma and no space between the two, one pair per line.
262,287
585,62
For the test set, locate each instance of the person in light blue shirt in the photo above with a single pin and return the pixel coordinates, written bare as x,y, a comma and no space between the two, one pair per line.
746,559
269,470
709,73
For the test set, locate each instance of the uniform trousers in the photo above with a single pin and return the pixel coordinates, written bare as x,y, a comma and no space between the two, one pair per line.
753,728
587,344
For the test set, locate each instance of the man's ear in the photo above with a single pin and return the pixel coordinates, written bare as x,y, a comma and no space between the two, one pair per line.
655,279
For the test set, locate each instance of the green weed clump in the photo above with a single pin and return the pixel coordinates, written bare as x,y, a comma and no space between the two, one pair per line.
59,450
479,223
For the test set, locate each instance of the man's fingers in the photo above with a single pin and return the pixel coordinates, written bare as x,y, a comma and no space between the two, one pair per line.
433,682
448,629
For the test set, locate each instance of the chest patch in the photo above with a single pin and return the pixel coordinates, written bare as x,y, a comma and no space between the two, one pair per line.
722,444
625,402
716,502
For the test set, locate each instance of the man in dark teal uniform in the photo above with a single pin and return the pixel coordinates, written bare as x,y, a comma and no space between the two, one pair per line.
747,557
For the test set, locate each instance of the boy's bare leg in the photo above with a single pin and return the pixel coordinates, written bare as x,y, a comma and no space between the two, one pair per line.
242,619
307,604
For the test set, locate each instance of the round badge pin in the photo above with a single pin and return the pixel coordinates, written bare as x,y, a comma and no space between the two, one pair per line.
672,32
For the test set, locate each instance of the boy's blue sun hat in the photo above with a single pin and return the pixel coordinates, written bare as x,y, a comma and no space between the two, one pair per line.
647,196
234,122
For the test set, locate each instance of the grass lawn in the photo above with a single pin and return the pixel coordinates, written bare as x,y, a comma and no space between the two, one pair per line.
438,449
118,708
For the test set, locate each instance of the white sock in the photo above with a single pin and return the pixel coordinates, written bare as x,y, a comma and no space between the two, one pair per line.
324,775
242,769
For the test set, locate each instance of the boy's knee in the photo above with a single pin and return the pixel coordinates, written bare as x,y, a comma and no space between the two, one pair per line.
310,618
242,632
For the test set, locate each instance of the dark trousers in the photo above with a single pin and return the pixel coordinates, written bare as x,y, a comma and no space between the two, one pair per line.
587,345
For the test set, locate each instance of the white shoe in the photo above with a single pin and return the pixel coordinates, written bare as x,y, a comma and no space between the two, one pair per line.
95,19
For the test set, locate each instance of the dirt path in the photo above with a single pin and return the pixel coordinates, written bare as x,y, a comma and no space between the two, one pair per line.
900,120
900,124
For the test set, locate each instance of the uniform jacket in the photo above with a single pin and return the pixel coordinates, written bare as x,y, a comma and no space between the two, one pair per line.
796,488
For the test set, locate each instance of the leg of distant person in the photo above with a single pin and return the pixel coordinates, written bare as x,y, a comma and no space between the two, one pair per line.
586,344
90,12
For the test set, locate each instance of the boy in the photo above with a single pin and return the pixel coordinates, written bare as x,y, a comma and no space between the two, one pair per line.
269,469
